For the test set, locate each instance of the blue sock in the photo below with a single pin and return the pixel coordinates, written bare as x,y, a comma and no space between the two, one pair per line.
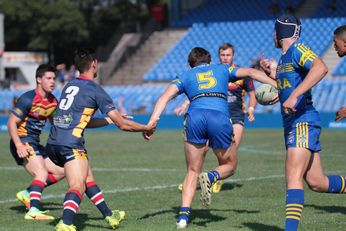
294,208
184,213
336,184
213,176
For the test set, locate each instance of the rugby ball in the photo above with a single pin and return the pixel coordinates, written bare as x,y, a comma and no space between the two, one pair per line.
266,94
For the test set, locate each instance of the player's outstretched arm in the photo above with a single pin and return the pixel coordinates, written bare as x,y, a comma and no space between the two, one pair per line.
128,125
182,108
317,71
12,125
160,106
256,75
99,122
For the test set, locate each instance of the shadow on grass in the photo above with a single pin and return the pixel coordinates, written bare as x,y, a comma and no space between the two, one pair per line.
79,221
230,186
261,227
205,215
329,209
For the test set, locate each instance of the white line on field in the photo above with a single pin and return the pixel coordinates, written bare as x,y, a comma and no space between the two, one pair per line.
55,196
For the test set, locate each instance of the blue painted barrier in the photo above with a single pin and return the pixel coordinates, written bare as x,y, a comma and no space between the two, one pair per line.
176,122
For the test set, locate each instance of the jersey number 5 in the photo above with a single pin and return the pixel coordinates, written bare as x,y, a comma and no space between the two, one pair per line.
66,102
206,80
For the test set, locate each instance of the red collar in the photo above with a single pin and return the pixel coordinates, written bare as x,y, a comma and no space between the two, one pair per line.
84,77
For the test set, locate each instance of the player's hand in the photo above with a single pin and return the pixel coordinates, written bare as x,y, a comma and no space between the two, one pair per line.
265,65
22,151
180,110
288,105
250,114
341,114
151,126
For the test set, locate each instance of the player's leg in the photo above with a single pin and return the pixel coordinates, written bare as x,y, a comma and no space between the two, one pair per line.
55,172
319,182
194,156
35,166
220,134
238,131
95,194
297,162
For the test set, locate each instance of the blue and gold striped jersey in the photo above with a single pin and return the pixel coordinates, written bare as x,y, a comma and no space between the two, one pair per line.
292,68
79,100
206,86
33,110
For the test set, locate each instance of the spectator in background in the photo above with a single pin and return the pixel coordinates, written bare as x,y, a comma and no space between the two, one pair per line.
332,6
61,72
275,8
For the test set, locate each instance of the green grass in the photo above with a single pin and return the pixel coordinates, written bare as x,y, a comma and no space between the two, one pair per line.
128,168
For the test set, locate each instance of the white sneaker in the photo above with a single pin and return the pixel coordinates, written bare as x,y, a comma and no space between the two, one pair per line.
182,224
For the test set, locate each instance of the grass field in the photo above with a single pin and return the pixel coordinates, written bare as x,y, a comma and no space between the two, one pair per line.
142,178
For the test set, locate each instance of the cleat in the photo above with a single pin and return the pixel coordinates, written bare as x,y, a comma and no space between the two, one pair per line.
204,182
181,224
180,188
115,219
63,227
24,197
37,215
216,188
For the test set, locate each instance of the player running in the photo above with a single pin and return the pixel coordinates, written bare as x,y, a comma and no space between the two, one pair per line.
207,119
340,47
299,69
236,104
25,125
80,99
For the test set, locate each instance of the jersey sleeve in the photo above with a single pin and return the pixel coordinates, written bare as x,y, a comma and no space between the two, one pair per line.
22,107
248,85
104,101
303,56
177,82
231,73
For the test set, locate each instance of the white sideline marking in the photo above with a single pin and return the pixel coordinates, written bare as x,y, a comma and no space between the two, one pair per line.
55,196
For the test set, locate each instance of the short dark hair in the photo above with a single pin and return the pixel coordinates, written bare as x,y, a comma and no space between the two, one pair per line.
198,55
340,31
83,59
226,46
43,68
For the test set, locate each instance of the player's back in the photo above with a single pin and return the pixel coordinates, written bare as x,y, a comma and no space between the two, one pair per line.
206,86
79,99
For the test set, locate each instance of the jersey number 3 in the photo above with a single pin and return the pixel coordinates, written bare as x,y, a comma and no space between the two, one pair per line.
66,102
206,80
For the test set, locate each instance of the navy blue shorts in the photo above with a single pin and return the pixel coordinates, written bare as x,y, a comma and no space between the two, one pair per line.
60,155
201,125
35,149
303,135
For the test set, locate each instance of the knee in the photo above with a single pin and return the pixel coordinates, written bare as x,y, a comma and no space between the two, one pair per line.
315,186
78,185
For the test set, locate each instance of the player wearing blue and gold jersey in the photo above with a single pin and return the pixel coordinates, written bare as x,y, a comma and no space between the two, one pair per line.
299,69
207,119
236,103
79,100
25,125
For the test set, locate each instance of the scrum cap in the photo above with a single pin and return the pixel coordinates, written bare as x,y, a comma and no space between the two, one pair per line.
287,26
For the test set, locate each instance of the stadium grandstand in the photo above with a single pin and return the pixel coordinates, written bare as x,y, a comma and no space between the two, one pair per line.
139,78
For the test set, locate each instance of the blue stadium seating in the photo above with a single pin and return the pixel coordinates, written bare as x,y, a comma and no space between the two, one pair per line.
250,38
235,10
326,9
328,96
